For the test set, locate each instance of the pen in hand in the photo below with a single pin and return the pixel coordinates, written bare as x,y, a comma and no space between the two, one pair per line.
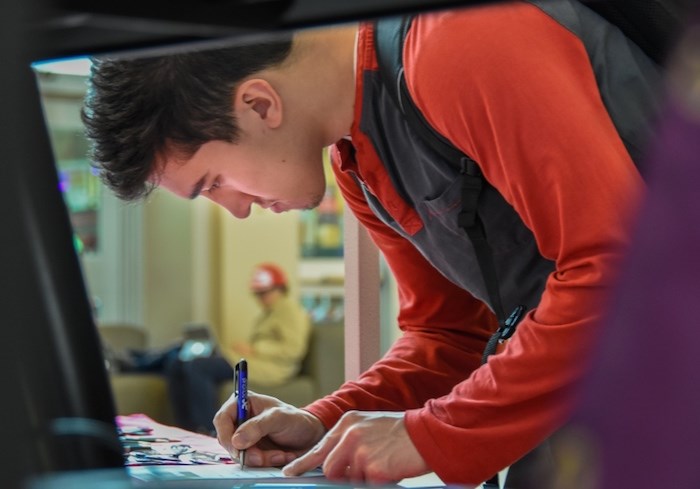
241,390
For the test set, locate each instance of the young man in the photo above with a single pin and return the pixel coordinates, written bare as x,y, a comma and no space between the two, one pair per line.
509,86
274,353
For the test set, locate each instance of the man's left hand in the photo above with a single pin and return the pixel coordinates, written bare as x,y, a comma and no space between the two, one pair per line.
364,446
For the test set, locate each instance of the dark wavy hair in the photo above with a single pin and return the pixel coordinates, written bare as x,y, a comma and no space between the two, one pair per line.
136,109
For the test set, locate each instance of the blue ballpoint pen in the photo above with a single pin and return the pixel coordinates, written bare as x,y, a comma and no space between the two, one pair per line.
241,391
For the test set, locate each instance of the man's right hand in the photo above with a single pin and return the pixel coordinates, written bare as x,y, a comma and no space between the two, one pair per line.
275,434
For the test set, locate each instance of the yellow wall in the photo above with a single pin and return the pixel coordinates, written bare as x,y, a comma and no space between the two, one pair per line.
206,272
167,262
264,236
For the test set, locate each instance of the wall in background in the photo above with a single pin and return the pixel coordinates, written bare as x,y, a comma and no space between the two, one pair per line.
168,271
264,236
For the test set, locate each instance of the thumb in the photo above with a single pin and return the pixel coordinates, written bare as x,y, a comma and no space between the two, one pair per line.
249,433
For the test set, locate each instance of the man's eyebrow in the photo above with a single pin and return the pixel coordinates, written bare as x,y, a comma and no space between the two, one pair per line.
197,189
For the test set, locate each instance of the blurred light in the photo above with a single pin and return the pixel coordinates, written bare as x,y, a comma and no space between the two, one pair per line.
198,349
69,66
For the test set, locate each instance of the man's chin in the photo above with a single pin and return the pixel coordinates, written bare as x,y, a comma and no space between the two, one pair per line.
279,208
292,207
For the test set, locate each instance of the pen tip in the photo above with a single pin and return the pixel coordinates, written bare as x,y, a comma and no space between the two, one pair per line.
241,457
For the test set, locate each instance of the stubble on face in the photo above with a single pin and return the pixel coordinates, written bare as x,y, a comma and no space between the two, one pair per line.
307,204
315,201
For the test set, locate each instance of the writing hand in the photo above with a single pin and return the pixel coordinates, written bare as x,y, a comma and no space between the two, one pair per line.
275,434
369,447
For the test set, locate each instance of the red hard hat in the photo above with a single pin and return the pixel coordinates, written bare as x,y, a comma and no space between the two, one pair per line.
267,276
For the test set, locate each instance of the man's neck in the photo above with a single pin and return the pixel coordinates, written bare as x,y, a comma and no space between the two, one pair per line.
324,60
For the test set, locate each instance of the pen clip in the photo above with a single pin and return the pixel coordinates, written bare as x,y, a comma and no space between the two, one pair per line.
236,375
241,389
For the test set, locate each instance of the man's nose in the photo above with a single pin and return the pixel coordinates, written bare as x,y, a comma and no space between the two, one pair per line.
239,212
238,204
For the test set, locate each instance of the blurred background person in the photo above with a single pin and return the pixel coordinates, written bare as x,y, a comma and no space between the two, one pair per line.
280,335
274,353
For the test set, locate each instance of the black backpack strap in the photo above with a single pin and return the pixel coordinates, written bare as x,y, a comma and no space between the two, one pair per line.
390,34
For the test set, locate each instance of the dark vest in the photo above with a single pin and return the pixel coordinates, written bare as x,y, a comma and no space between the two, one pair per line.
431,185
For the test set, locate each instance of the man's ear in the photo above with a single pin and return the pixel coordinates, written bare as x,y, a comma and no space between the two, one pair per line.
257,99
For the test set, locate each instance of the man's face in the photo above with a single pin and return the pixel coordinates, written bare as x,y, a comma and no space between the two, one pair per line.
236,176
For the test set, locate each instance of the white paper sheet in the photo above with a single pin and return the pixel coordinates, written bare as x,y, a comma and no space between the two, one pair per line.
223,471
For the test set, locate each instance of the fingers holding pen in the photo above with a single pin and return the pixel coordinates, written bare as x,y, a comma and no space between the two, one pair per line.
251,437
225,425
226,422
276,436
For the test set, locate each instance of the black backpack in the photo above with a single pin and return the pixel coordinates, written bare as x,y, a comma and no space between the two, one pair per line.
654,25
